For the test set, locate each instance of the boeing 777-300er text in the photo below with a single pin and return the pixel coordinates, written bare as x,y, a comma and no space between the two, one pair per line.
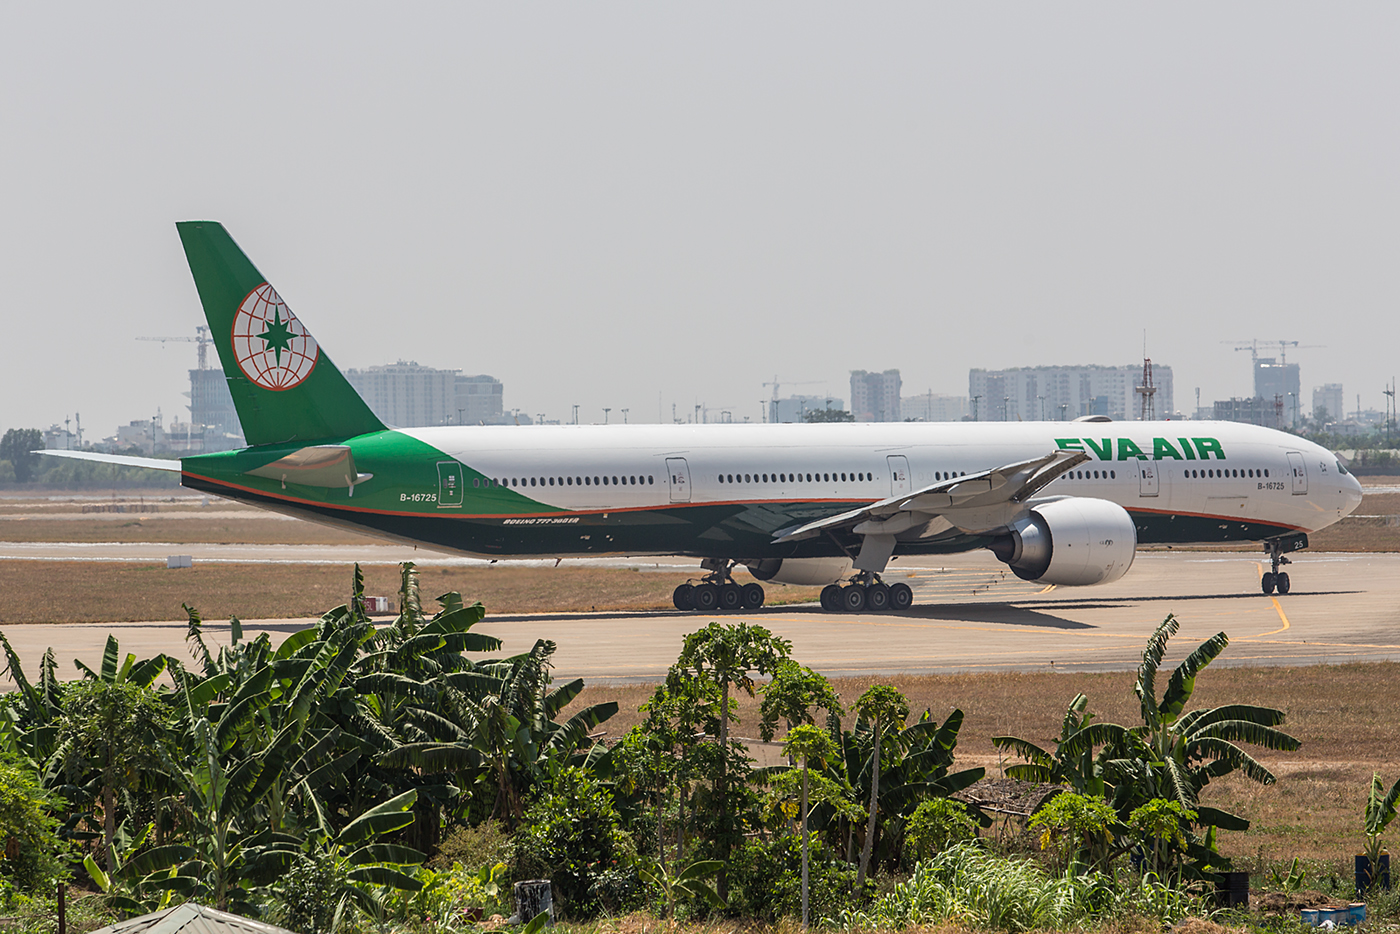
1059,502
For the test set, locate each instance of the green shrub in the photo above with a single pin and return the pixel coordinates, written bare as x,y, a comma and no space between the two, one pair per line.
571,836
486,844
35,860
308,894
765,879
1076,827
937,824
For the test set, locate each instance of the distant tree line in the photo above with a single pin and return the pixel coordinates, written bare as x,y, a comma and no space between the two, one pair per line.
19,465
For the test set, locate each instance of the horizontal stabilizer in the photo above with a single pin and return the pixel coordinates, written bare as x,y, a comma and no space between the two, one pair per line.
121,460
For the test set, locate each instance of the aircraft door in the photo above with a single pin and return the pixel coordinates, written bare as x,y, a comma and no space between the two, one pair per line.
449,484
1299,471
1148,481
899,474
679,472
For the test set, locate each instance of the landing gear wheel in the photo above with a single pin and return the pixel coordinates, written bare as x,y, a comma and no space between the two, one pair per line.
1268,581
877,597
852,598
753,596
901,597
683,597
831,597
705,597
731,597
1281,581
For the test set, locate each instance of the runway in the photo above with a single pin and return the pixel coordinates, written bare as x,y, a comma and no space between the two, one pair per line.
969,616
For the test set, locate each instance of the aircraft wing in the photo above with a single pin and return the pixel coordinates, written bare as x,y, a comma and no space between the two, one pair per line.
123,460
973,497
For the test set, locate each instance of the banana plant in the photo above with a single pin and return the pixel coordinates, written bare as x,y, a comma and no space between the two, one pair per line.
1072,763
501,717
144,879
1380,811
689,881
368,866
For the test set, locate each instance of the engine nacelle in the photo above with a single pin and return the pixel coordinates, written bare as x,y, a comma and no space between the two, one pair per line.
1073,541
811,572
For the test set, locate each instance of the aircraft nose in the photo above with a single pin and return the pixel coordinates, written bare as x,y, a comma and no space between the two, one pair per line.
1351,491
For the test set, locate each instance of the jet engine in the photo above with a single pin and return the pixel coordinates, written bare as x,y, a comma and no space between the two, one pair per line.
1072,541
808,571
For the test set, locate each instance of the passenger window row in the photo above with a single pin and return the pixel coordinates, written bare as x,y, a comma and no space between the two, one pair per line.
565,481
1091,475
858,477
1222,473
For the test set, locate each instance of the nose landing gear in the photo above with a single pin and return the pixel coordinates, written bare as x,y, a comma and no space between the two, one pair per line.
1275,579
866,592
718,590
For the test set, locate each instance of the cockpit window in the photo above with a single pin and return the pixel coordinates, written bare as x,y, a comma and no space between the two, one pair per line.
1340,469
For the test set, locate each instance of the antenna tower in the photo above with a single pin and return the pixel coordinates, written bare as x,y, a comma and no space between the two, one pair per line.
1146,392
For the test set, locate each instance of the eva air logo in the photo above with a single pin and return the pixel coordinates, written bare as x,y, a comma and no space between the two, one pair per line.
272,348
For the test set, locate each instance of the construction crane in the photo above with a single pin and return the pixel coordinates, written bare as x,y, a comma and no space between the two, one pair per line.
1253,347
773,406
202,339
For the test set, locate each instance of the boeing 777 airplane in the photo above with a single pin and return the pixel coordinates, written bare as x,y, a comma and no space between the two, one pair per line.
1062,503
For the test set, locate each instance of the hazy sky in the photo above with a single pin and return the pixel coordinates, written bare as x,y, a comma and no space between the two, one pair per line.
623,205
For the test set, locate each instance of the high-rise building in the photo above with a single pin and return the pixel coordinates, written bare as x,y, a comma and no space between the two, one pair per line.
406,395
875,396
1273,379
1253,411
932,407
1329,396
795,408
1062,393
479,399
212,414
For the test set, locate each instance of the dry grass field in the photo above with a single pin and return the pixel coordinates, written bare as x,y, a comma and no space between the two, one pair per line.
220,528
99,591
1345,716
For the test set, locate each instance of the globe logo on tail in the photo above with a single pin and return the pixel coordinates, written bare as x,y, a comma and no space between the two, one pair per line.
272,348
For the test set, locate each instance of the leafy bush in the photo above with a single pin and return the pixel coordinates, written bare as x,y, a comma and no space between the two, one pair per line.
970,887
473,847
1076,827
765,880
449,897
571,836
937,824
308,896
34,856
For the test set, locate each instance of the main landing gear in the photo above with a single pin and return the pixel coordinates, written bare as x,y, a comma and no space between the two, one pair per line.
717,591
1275,579
866,592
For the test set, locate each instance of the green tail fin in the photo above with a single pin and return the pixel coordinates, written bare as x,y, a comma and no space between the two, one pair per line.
283,385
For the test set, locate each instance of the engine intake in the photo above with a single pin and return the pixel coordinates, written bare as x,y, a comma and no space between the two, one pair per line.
1075,541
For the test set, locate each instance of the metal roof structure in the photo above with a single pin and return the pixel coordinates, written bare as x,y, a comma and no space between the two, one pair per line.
191,918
